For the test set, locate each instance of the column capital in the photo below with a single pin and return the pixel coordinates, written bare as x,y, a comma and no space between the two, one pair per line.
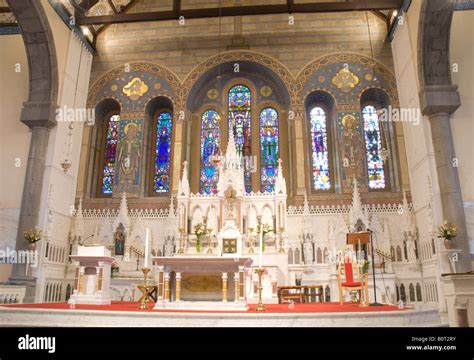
39,114
439,99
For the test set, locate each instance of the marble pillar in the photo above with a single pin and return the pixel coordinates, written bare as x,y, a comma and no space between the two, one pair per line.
438,102
224,287
178,287
167,287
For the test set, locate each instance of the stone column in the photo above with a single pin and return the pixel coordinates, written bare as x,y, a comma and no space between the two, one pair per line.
224,287
438,102
178,287
167,287
236,287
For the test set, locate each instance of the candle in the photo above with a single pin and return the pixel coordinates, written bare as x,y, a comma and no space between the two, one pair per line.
359,252
261,247
147,238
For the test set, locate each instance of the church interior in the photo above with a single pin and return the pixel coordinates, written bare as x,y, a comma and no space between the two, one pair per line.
247,157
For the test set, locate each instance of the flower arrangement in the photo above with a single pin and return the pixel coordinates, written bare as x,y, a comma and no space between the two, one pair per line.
32,236
447,231
265,230
199,230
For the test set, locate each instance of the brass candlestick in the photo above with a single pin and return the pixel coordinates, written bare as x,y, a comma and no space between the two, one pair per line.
260,306
144,289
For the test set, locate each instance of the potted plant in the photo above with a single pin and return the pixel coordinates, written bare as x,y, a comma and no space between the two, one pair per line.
32,236
448,233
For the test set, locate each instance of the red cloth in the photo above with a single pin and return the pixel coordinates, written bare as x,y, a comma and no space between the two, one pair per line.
351,283
348,272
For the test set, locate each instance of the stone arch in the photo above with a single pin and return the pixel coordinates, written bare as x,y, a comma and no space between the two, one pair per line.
280,72
38,113
433,42
348,57
160,71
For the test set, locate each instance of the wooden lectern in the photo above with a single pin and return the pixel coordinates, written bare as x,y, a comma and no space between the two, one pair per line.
356,238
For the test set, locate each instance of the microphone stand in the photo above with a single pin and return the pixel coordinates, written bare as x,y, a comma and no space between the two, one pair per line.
375,303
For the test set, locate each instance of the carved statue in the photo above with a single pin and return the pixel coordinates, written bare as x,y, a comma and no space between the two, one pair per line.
308,250
230,204
119,240
411,249
169,246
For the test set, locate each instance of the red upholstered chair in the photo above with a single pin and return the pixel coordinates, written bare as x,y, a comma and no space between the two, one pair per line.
348,282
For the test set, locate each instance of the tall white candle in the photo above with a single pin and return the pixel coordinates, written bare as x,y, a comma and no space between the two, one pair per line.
147,240
261,247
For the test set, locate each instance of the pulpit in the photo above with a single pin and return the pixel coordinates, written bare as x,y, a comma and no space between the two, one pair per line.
92,275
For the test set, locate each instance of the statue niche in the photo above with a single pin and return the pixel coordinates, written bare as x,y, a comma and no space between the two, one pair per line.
230,198
119,240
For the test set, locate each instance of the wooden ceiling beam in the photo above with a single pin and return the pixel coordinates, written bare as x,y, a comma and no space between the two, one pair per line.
322,7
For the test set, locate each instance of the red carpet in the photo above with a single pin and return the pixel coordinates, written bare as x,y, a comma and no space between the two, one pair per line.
270,308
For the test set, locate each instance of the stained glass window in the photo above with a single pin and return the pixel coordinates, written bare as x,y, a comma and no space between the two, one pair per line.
240,122
210,137
161,178
373,147
319,149
269,151
111,140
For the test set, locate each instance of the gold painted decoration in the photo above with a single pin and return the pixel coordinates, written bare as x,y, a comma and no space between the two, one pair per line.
266,91
345,80
135,88
212,94
201,283
114,87
321,79
369,77
157,86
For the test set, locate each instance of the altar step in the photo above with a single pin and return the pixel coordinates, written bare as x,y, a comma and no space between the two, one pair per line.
203,305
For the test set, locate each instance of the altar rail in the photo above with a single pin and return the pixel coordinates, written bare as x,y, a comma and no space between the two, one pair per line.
12,294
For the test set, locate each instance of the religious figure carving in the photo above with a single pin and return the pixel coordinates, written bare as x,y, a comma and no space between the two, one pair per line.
411,249
308,250
169,246
230,204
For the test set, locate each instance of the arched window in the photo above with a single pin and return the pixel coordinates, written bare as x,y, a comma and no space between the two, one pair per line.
373,147
111,140
269,150
210,138
240,121
319,149
161,178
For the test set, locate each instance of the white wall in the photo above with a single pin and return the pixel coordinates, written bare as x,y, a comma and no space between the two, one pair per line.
462,123
14,139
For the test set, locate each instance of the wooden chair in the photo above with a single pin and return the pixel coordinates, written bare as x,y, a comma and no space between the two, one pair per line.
347,281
